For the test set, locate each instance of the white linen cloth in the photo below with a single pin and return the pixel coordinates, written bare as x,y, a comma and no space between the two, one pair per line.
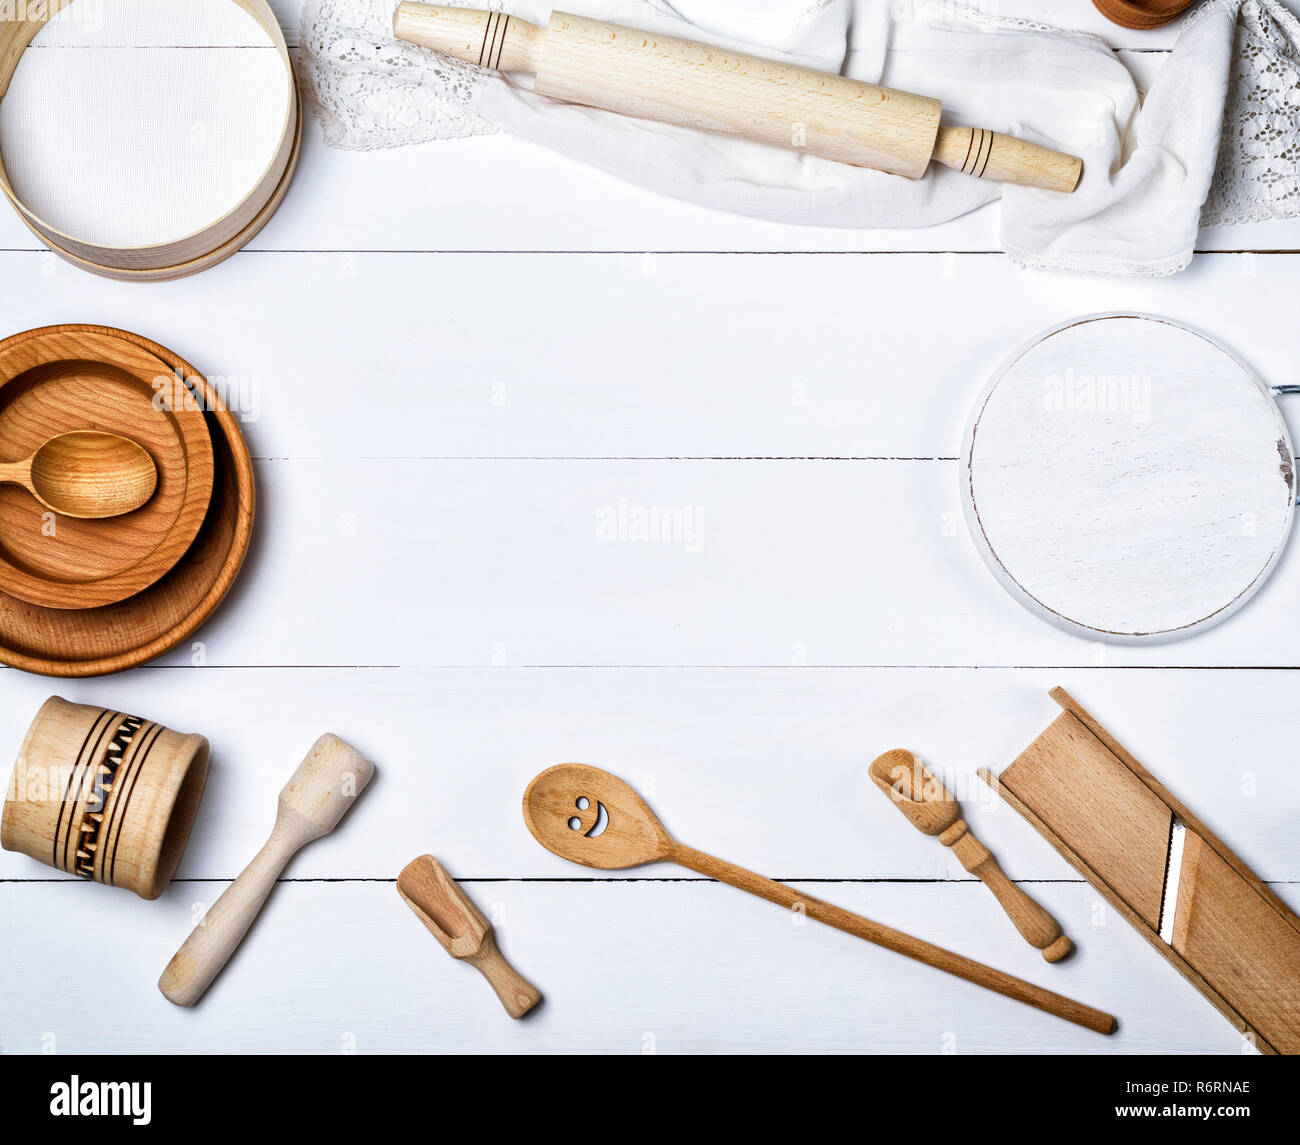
1148,162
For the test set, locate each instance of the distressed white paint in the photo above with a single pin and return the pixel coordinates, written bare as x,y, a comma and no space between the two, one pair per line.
624,968
375,389
1128,478
765,766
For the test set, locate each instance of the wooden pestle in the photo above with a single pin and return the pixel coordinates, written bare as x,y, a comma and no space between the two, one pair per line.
311,804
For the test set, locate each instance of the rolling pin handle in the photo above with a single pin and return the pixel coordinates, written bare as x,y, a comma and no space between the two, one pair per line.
493,40
1006,159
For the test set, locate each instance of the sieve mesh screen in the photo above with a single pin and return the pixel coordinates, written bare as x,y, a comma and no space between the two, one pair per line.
135,122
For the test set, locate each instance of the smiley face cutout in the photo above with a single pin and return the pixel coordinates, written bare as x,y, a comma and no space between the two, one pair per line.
588,816
600,817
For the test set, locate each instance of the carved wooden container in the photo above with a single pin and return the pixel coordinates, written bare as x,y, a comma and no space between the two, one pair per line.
104,796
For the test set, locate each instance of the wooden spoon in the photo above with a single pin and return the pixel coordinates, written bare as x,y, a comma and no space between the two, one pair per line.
86,474
590,817
933,810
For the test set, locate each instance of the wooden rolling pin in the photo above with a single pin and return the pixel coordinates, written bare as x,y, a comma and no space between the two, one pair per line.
714,89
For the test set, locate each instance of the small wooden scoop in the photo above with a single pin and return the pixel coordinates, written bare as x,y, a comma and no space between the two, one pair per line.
590,817
460,927
933,810
311,804
86,474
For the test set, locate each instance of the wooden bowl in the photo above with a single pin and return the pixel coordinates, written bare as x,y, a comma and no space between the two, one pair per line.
104,796
1142,14
94,642
62,378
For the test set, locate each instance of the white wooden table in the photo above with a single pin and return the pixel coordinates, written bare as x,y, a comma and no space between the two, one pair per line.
459,363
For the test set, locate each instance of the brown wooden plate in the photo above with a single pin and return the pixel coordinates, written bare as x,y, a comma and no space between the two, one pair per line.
94,642
1141,14
62,378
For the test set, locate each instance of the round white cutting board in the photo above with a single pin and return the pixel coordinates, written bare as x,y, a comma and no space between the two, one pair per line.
1127,478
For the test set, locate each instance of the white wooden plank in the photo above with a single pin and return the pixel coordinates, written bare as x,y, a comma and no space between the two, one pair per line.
461,562
86,20
392,355
443,563
763,767
498,193
625,968
152,24
468,195
1080,15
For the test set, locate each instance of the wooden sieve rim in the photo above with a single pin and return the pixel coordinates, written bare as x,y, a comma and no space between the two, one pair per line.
192,252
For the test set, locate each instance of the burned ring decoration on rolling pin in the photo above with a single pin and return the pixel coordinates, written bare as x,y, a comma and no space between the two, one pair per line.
689,84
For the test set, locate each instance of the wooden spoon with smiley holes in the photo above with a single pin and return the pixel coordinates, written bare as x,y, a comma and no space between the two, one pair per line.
590,817
933,810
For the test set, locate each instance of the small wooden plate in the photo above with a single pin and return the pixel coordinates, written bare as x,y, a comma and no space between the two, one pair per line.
62,378
1128,479
1142,14
94,642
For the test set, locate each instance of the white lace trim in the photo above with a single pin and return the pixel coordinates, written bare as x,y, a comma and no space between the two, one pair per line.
951,10
1163,268
1258,172
370,90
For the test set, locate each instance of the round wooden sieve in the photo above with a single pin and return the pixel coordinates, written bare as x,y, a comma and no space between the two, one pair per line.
1128,479
191,252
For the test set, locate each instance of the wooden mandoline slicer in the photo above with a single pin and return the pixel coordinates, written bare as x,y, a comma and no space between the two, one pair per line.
1188,895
